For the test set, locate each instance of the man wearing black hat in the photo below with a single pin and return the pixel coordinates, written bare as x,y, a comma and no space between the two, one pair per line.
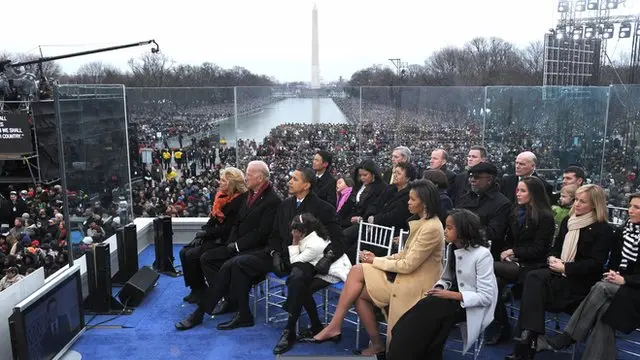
485,200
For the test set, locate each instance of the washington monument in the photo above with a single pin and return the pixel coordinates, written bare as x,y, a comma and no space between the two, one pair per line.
315,58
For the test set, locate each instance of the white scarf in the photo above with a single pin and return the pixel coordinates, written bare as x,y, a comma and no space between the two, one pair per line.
570,244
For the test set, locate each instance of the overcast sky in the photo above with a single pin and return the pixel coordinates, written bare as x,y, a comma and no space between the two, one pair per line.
273,37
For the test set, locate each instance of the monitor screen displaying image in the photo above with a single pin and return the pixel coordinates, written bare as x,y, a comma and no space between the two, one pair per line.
45,326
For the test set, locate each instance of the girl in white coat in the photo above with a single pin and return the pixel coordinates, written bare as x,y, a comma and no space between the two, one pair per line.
309,239
466,292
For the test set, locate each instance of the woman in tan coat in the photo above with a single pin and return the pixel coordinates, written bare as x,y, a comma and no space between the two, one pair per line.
398,281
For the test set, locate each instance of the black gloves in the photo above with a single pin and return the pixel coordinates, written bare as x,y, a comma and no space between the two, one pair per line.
201,234
231,247
279,266
323,265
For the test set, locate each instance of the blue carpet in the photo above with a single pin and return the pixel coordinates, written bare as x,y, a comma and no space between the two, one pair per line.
149,333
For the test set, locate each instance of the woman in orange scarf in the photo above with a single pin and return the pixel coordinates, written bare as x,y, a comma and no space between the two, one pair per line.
209,244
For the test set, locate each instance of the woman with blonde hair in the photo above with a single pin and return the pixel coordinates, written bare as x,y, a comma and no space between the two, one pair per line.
614,302
209,244
575,265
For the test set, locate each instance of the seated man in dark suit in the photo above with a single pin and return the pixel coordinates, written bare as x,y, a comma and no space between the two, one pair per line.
525,166
243,270
439,158
325,183
485,200
249,234
401,154
251,227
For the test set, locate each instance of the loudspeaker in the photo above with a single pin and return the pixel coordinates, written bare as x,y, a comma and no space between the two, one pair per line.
138,286
163,241
100,299
127,240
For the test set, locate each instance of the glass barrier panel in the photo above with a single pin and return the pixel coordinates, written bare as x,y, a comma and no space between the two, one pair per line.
622,151
423,119
285,126
95,143
562,126
179,135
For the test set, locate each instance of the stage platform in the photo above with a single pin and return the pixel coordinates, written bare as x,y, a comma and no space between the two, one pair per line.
149,333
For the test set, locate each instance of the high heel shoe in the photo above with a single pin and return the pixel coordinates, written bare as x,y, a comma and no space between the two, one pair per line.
336,339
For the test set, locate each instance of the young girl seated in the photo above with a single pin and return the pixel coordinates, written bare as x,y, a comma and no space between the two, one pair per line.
467,292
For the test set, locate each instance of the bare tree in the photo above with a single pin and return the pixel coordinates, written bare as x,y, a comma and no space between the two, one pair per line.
151,70
533,57
92,73
444,66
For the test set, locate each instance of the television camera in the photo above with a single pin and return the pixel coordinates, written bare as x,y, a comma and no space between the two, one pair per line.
19,87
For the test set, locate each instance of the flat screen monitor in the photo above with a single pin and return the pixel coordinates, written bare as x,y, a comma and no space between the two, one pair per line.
45,324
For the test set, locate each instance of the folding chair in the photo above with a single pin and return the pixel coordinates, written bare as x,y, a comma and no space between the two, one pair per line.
477,345
402,239
370,235
633,341
274,295
255,294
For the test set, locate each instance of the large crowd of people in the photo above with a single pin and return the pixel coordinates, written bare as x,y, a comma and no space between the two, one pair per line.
520,210
497,230
370,134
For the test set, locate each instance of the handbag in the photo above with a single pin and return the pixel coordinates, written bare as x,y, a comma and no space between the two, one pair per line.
391,276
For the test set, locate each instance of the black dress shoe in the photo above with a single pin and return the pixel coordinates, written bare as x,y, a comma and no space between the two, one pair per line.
194,319
238,321
287,339
224,307
523,351
502,334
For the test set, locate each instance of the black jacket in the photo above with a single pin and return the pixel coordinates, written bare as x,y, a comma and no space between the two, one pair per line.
219,232
593,249
445,206
530,242
509,184
624,311
368,198
459,187
493,208
281,238
391,209
325,188
253,224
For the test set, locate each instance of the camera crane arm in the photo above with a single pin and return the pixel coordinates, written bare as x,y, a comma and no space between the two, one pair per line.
5,63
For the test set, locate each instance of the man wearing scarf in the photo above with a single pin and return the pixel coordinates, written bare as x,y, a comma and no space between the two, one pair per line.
249,234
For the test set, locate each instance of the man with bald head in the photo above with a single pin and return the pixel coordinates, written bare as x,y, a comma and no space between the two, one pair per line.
525,166
251,229
438,161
